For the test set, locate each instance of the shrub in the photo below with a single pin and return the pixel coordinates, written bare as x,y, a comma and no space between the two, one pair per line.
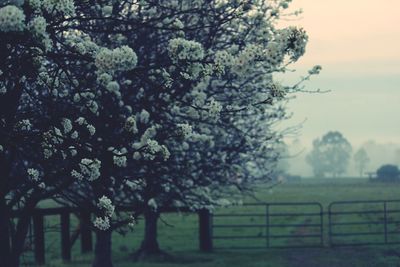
388,173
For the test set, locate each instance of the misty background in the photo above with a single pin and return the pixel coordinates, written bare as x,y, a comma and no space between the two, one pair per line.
357,44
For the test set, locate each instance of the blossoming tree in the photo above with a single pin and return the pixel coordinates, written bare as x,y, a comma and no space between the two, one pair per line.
101,96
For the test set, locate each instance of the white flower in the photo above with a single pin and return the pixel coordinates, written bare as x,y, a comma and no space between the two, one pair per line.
181,49
165,154
152,204
67,125
132,222
102,223
47,153
12,19
74,135
184,129
24,125
136,156
80,120
38,26
106,204
65,7
214,108
120,161
113,86
33,174
91,129
144,116
119,59
90,168
76,175
130,125
107,10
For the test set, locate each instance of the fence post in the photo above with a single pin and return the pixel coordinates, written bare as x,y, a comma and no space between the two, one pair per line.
385,221
330,225
267,225
38,229
65,236
86,233
205,230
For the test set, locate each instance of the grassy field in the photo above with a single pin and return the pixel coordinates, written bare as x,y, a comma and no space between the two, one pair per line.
179,234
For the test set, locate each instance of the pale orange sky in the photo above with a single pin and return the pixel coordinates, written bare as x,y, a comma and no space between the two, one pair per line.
351,30
357,42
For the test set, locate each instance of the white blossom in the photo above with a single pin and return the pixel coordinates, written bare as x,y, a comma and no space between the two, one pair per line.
67,125
119,59
90,168
33,174
102,223
130,125
182,49
120,161
184,129
12,19
144,116
152,204
91,129
106,205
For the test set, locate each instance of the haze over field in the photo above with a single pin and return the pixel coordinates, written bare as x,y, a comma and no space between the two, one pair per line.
357,43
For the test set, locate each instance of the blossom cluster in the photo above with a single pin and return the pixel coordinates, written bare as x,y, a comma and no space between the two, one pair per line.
12,19
185,50
119,59
89,169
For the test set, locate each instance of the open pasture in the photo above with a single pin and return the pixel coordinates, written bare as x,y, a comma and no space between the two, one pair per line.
178,233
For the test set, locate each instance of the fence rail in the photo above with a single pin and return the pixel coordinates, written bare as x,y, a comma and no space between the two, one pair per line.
281,225
350,222
252,225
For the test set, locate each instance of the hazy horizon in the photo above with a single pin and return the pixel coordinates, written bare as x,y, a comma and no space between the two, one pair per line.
357,45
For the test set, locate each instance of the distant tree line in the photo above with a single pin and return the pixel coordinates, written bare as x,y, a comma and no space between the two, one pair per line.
331,155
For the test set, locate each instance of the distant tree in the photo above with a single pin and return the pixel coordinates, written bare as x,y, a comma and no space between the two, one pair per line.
388,173
361,160
330,154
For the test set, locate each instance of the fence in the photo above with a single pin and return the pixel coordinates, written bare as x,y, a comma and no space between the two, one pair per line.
67,238
353,223
258,225
270,225
83,231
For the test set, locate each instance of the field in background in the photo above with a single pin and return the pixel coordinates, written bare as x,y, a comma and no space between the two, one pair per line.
178,233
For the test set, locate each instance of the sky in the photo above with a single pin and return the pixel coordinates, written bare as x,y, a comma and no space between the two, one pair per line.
357,43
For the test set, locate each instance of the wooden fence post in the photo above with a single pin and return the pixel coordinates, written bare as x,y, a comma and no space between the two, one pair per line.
65,236
205,230
38,230
86,233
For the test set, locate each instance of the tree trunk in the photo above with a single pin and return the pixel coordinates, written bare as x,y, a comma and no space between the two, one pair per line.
149,244
102,250
5,244
18,238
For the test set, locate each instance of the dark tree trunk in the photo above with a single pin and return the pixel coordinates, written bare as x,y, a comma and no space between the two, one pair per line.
5,242
18,238
149,244
149,249
102,250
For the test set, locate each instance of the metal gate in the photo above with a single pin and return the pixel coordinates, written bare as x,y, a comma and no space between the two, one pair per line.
269,225
353,223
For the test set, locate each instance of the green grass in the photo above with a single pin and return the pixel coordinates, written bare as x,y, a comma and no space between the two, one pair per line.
179,235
